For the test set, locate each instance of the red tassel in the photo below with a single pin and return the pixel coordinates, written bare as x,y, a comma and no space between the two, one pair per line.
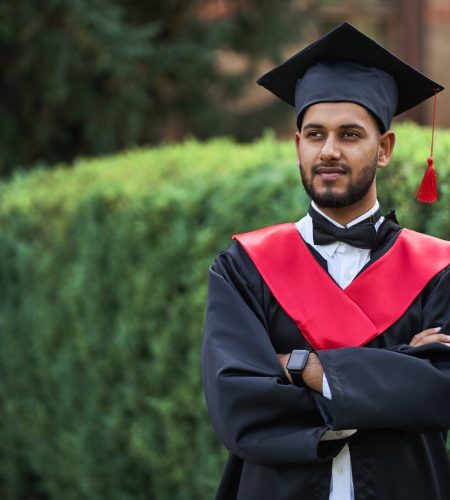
427,192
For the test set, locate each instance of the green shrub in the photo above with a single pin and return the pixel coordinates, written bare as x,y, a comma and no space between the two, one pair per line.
83,77
103,270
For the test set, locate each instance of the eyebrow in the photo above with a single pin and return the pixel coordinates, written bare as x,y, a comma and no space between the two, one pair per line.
352,125
343,126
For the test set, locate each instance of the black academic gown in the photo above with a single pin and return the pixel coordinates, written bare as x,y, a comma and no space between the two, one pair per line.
398,397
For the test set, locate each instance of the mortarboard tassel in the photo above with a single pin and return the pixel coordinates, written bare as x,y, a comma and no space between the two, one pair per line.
427,192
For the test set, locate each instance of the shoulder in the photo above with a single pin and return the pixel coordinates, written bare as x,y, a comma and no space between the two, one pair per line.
431,251
234,264
235,267
425,249
258,237
275,234
415,236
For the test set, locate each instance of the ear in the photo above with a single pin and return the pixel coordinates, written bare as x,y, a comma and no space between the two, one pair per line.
386,148
297,146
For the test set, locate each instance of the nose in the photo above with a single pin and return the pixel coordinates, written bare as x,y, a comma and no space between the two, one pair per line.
330,150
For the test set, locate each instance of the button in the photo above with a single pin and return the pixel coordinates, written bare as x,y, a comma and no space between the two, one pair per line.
340,470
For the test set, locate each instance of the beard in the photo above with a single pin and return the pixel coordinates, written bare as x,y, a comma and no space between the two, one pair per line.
355,192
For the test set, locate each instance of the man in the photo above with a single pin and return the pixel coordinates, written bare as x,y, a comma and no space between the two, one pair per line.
325,360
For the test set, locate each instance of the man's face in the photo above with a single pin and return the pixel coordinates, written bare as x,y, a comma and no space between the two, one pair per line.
338,151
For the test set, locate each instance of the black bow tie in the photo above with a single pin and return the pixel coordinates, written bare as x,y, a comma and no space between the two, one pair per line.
361,235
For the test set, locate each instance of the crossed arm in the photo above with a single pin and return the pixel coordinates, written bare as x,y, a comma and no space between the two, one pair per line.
313,372
263,419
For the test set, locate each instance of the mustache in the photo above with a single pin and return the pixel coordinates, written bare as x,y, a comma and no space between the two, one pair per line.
324,165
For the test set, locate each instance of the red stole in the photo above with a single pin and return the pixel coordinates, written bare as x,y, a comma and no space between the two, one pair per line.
328,316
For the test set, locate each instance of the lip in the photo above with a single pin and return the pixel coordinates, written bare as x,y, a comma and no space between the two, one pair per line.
330,175
330,170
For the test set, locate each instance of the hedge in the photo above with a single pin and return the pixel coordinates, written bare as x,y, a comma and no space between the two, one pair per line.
103,272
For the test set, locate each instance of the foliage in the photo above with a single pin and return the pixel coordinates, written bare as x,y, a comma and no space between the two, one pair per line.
103,270
82,77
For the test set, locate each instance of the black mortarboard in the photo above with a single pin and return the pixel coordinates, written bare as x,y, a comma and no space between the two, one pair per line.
346,65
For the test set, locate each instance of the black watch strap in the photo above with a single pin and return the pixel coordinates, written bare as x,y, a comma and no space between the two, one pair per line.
297,377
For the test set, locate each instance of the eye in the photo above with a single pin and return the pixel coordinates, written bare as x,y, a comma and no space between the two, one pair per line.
314,133
350,134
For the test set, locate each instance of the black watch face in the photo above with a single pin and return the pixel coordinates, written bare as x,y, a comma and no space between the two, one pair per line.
297,360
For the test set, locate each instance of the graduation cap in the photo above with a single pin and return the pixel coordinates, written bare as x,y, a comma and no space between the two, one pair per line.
347,66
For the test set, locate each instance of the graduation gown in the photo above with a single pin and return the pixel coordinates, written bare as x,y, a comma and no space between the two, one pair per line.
398,397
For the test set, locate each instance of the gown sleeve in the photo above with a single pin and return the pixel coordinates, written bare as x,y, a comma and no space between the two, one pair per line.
403,387
256,413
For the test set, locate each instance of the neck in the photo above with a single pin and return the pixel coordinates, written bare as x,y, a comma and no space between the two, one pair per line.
345,215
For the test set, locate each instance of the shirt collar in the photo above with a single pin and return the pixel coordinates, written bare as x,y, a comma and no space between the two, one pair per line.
330,249
365,215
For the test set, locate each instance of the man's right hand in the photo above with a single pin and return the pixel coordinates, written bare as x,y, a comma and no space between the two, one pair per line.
429,336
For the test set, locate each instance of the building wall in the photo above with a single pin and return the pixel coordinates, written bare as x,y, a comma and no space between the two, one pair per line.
418,31
436,54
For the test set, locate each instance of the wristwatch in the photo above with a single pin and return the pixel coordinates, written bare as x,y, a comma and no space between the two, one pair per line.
296,364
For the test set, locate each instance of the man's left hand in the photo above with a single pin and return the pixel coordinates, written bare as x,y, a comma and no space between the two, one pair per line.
429,336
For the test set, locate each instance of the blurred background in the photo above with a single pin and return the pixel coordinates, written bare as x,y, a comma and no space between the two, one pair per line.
84,78
133,143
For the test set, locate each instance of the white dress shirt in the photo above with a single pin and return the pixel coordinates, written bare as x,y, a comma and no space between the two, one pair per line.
344,263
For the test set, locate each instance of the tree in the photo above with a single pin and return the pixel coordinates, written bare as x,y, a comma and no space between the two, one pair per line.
90,77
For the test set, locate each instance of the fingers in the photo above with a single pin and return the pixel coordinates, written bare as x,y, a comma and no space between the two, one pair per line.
283,359
428,336
425,333
417,338
445,339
